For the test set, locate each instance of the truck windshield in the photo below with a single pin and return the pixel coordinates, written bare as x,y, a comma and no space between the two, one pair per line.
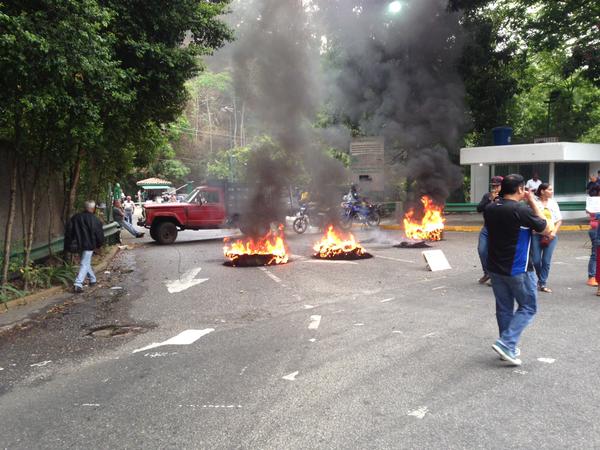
190,198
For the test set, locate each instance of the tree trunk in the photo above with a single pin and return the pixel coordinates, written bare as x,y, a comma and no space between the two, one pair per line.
210,138
74,183
32,219
242,129
235,122
11,218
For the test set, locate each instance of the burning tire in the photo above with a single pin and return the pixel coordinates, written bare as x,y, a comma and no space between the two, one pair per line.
300,225
165,232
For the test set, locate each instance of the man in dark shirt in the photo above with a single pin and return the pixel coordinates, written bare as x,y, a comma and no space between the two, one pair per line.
84,234
510,224
482,246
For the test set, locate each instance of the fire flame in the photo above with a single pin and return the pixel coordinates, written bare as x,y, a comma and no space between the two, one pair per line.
271,245
430,227
333,244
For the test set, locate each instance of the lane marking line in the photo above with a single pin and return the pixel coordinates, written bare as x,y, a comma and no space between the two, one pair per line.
394,259
385,300
309,306
434,333
437,288
275,278
186,337
359,324
315,321
186,281
291,376
312,340
419,413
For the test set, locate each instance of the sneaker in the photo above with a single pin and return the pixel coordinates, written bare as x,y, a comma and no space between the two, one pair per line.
592,281
92,284
484,278
77,289
517,353
505,353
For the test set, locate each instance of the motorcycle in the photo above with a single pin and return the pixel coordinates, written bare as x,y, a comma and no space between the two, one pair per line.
364,213
313,216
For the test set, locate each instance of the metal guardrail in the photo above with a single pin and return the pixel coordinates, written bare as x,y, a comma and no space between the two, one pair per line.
55,246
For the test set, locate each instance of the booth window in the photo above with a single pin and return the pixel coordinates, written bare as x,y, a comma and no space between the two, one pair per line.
365,178
570,178
527,170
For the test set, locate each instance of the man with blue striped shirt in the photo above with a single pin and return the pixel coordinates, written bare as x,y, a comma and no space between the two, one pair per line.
510,224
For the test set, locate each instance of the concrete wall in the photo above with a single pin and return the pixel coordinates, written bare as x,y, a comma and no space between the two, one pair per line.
480,181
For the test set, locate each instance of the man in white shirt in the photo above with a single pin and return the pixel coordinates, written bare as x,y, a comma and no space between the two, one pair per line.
533,183
129,207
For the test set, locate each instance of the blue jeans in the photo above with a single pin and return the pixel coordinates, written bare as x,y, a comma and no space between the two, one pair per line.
129,227
85,268
482,248
542,257
129,216
592,263
507,289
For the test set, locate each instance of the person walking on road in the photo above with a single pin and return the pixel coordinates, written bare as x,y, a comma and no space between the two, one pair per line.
510,224
119,216
84,234
129,208
482,246
543,246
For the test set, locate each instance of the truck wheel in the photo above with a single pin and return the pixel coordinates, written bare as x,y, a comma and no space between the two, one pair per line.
153,232
166,233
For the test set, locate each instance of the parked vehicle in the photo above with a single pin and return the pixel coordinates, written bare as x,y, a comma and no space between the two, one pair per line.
364,213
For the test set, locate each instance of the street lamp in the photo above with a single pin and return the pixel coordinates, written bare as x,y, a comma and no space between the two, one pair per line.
395,7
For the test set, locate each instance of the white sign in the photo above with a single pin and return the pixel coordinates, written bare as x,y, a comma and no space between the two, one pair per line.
436,260
592,204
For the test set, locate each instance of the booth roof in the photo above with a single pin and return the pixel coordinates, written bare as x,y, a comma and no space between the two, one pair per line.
154,183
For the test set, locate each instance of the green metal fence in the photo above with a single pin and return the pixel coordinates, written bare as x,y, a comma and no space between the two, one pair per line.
111,235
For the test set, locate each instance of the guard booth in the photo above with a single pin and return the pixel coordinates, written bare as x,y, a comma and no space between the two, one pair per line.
153,188
565,165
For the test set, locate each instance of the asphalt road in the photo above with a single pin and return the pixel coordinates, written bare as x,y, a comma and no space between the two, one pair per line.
380,353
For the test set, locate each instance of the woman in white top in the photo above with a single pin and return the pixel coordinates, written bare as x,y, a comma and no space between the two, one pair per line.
543,246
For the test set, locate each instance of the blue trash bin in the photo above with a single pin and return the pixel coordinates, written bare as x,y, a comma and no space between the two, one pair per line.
502,135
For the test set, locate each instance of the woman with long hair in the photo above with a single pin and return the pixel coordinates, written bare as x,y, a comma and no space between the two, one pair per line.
543,246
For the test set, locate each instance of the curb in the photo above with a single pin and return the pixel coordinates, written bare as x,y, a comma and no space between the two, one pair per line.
12,304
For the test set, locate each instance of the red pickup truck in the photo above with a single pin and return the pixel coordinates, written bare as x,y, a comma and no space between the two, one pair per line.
204,208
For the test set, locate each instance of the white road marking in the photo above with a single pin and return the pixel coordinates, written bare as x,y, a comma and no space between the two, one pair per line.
394,259
291,376
312,340
329,261
438,288
520,371
1,368
419,413
212,406
546,360
308,307
385,300
159,354
41,364
429,334
186,281
359,324
243,370
398,332
315,321
116,288
90,404
275,278
186,337
583,258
